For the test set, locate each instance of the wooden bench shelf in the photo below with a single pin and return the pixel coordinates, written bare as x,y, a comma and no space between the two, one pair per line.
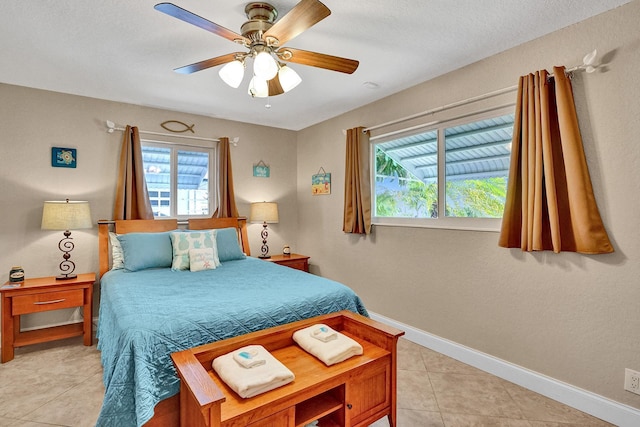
317,407
355,392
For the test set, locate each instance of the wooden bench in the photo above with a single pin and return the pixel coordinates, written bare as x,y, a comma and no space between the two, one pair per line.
353,393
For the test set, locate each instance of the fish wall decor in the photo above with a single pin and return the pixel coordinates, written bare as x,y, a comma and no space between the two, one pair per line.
176,129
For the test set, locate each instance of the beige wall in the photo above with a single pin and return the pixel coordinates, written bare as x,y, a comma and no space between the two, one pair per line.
572,317
32,121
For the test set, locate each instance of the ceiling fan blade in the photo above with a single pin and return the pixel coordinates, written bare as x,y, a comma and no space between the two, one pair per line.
304,15
207,63
274,86
191,18
315,59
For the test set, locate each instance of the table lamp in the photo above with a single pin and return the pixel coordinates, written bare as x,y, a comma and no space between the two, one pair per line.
66,215
266,213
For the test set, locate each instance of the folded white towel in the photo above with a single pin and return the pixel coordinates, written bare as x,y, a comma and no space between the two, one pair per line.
248,357
259,379
323,333
330,352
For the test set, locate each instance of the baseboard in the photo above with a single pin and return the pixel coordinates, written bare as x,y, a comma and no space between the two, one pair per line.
601,407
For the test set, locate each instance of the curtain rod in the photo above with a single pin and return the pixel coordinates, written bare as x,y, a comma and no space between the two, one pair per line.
437,122
111,127
588,65
443,108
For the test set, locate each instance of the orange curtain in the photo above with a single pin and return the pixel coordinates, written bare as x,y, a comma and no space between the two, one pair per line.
132,198
357,188
226,197
550,203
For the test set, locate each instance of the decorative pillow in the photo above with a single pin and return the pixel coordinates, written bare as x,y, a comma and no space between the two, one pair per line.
117,259
228,246
146,250
202,259
182,242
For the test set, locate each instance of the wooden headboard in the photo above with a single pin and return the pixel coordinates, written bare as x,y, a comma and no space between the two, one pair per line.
159,225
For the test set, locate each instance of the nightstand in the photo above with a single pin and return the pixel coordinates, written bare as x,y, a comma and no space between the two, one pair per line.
297,261
45,294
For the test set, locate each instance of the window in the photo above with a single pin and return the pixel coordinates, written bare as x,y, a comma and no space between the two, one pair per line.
178,179
451,176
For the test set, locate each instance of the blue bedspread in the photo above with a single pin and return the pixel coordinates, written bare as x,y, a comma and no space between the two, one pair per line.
147,315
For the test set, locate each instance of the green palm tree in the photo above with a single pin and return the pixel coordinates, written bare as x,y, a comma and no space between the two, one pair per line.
387,167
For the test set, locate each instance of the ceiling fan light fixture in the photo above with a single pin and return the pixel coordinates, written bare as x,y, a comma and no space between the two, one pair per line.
264,66
265,39
232,73
289,79
258,88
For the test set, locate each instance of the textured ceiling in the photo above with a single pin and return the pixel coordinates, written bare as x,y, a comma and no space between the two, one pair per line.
125,51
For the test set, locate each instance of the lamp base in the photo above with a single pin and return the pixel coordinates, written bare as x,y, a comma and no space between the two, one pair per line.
66,246
264,256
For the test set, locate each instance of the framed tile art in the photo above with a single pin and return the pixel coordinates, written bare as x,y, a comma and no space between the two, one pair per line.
63,157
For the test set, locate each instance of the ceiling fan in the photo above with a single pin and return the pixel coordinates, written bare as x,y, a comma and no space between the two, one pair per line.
264,38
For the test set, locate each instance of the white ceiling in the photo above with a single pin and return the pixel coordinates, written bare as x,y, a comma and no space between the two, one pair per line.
123,50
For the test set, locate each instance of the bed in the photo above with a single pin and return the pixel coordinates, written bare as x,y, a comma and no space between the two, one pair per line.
150,310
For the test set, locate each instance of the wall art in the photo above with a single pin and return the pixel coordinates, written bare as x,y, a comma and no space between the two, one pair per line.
177,126
261,170
63,157
321,183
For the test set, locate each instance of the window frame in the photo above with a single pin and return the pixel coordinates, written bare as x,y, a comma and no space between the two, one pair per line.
173,174
442,221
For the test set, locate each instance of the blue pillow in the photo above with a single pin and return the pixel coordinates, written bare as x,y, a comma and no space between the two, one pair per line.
228,247
146,250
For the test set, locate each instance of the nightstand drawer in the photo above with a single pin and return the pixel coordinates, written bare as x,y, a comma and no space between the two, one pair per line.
298,264
297,261
34,303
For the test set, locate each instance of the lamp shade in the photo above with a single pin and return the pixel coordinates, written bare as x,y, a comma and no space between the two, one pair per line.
66,215
288,78
264,212
258,88
232,73
264,66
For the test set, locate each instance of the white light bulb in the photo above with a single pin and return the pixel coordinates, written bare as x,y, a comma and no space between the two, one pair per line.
264,66
288,78
232,73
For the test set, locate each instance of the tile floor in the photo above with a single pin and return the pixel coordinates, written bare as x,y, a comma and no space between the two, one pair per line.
60,384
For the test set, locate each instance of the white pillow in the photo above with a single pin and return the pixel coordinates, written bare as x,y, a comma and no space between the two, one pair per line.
117,257
183,241
202,259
